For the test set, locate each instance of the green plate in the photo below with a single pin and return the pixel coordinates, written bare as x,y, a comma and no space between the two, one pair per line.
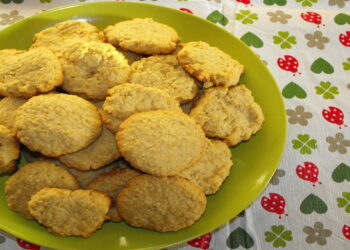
254,161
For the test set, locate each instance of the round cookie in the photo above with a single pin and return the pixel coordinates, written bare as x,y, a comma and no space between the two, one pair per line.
164,72
228,113
160,142
111,183
5,53
91,68
30,179
143,36
70,213
163,204
127,99
30,73
57,124
209,64
9,150
212,168
8,107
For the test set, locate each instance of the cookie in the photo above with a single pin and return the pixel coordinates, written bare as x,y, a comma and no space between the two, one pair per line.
131,57
30,179
143,36
127,99
228,113
30,73
57,124
111,183
8,107
163,204
91,68
164,72
160,142
9,150
70,213
209,64
5,53
212,168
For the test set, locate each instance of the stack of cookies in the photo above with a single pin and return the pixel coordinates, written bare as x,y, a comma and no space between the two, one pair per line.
120,124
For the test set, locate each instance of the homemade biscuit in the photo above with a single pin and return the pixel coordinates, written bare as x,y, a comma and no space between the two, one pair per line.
143,36
209,64
31,178
163,204
111,183
160,142
8,107
9,150
127,99
228,113
30,73
70,213
57,124
164,72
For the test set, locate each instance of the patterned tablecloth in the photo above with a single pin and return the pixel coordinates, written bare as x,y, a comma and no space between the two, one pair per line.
314,174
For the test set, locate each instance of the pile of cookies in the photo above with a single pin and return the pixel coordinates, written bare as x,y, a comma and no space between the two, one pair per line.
120,124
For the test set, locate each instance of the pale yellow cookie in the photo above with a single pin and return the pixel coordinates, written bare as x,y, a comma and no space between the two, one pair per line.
5,53
160,142
70,213
32,177
212,168
30,73
209,64
228,113
164,72
143,36
163,204
127,99
130,56
8,107
9,150
57,124
111,183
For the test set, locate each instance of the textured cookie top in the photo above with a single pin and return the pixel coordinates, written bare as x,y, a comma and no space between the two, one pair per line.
160,142
8,107
5,53
30,73
212,168
143,35
91,68
30,179
209,64
228,113
127,99
162,204
70,213
164,72
57,124
9,150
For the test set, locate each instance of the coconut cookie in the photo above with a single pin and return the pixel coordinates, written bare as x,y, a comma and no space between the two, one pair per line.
30,73
209,64
111,183
57,124
91,68
212,168
70,213
30,179
164,72
143,36
228,113
8,107
163,204
161,142
127,99
9,150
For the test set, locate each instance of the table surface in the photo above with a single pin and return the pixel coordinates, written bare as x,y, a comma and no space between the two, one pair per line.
314,174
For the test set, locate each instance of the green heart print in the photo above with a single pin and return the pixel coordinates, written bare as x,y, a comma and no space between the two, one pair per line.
217,17
313,203
251,39
293,90
239,237
321,65
277,2
341,173
342,19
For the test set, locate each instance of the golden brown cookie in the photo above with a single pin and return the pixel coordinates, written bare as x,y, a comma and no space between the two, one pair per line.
143,36
5,53
8,107
57,124
31,178
209,64
228,113
160,142
9,150
70,213
163,204
111,183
